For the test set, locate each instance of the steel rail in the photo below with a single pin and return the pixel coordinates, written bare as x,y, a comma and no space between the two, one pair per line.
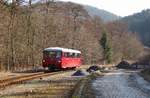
21,79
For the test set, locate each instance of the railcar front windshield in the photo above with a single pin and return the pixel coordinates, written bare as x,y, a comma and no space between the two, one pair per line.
52,54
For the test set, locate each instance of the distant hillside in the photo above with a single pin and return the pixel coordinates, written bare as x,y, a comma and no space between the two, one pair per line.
140,23
104,15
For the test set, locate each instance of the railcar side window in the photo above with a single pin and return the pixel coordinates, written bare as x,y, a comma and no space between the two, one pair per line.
78,55
71,55
68,54
65,54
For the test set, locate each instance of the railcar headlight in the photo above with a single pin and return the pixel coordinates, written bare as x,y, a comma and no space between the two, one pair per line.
43,60
59,61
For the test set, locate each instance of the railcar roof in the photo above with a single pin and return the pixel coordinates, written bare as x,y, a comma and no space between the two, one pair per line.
62,49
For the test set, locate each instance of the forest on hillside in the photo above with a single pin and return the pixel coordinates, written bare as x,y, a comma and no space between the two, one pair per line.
140,22
103,14
25,30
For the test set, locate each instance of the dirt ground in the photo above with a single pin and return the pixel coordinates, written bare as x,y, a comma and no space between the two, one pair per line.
56,86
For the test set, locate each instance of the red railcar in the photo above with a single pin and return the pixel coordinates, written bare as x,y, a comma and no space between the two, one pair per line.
61,58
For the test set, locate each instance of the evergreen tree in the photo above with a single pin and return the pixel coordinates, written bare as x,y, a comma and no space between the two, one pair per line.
107,50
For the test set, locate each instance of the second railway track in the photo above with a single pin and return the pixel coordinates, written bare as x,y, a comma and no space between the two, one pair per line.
21,79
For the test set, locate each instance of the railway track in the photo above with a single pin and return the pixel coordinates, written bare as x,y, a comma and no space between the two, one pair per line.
21,79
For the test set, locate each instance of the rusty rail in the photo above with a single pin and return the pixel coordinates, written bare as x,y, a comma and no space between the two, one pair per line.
21,79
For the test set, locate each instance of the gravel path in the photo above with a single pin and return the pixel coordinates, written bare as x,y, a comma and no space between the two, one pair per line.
121,84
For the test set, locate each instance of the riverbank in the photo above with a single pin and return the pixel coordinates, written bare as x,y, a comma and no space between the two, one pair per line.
146,74
84,86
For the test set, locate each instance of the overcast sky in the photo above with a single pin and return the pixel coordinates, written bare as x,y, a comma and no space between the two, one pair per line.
118,7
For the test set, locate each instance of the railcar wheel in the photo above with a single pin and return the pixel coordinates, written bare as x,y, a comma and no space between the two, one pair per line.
74,68
50,69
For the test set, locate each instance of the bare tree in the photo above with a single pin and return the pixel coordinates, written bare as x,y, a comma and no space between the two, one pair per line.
26,30
11,33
